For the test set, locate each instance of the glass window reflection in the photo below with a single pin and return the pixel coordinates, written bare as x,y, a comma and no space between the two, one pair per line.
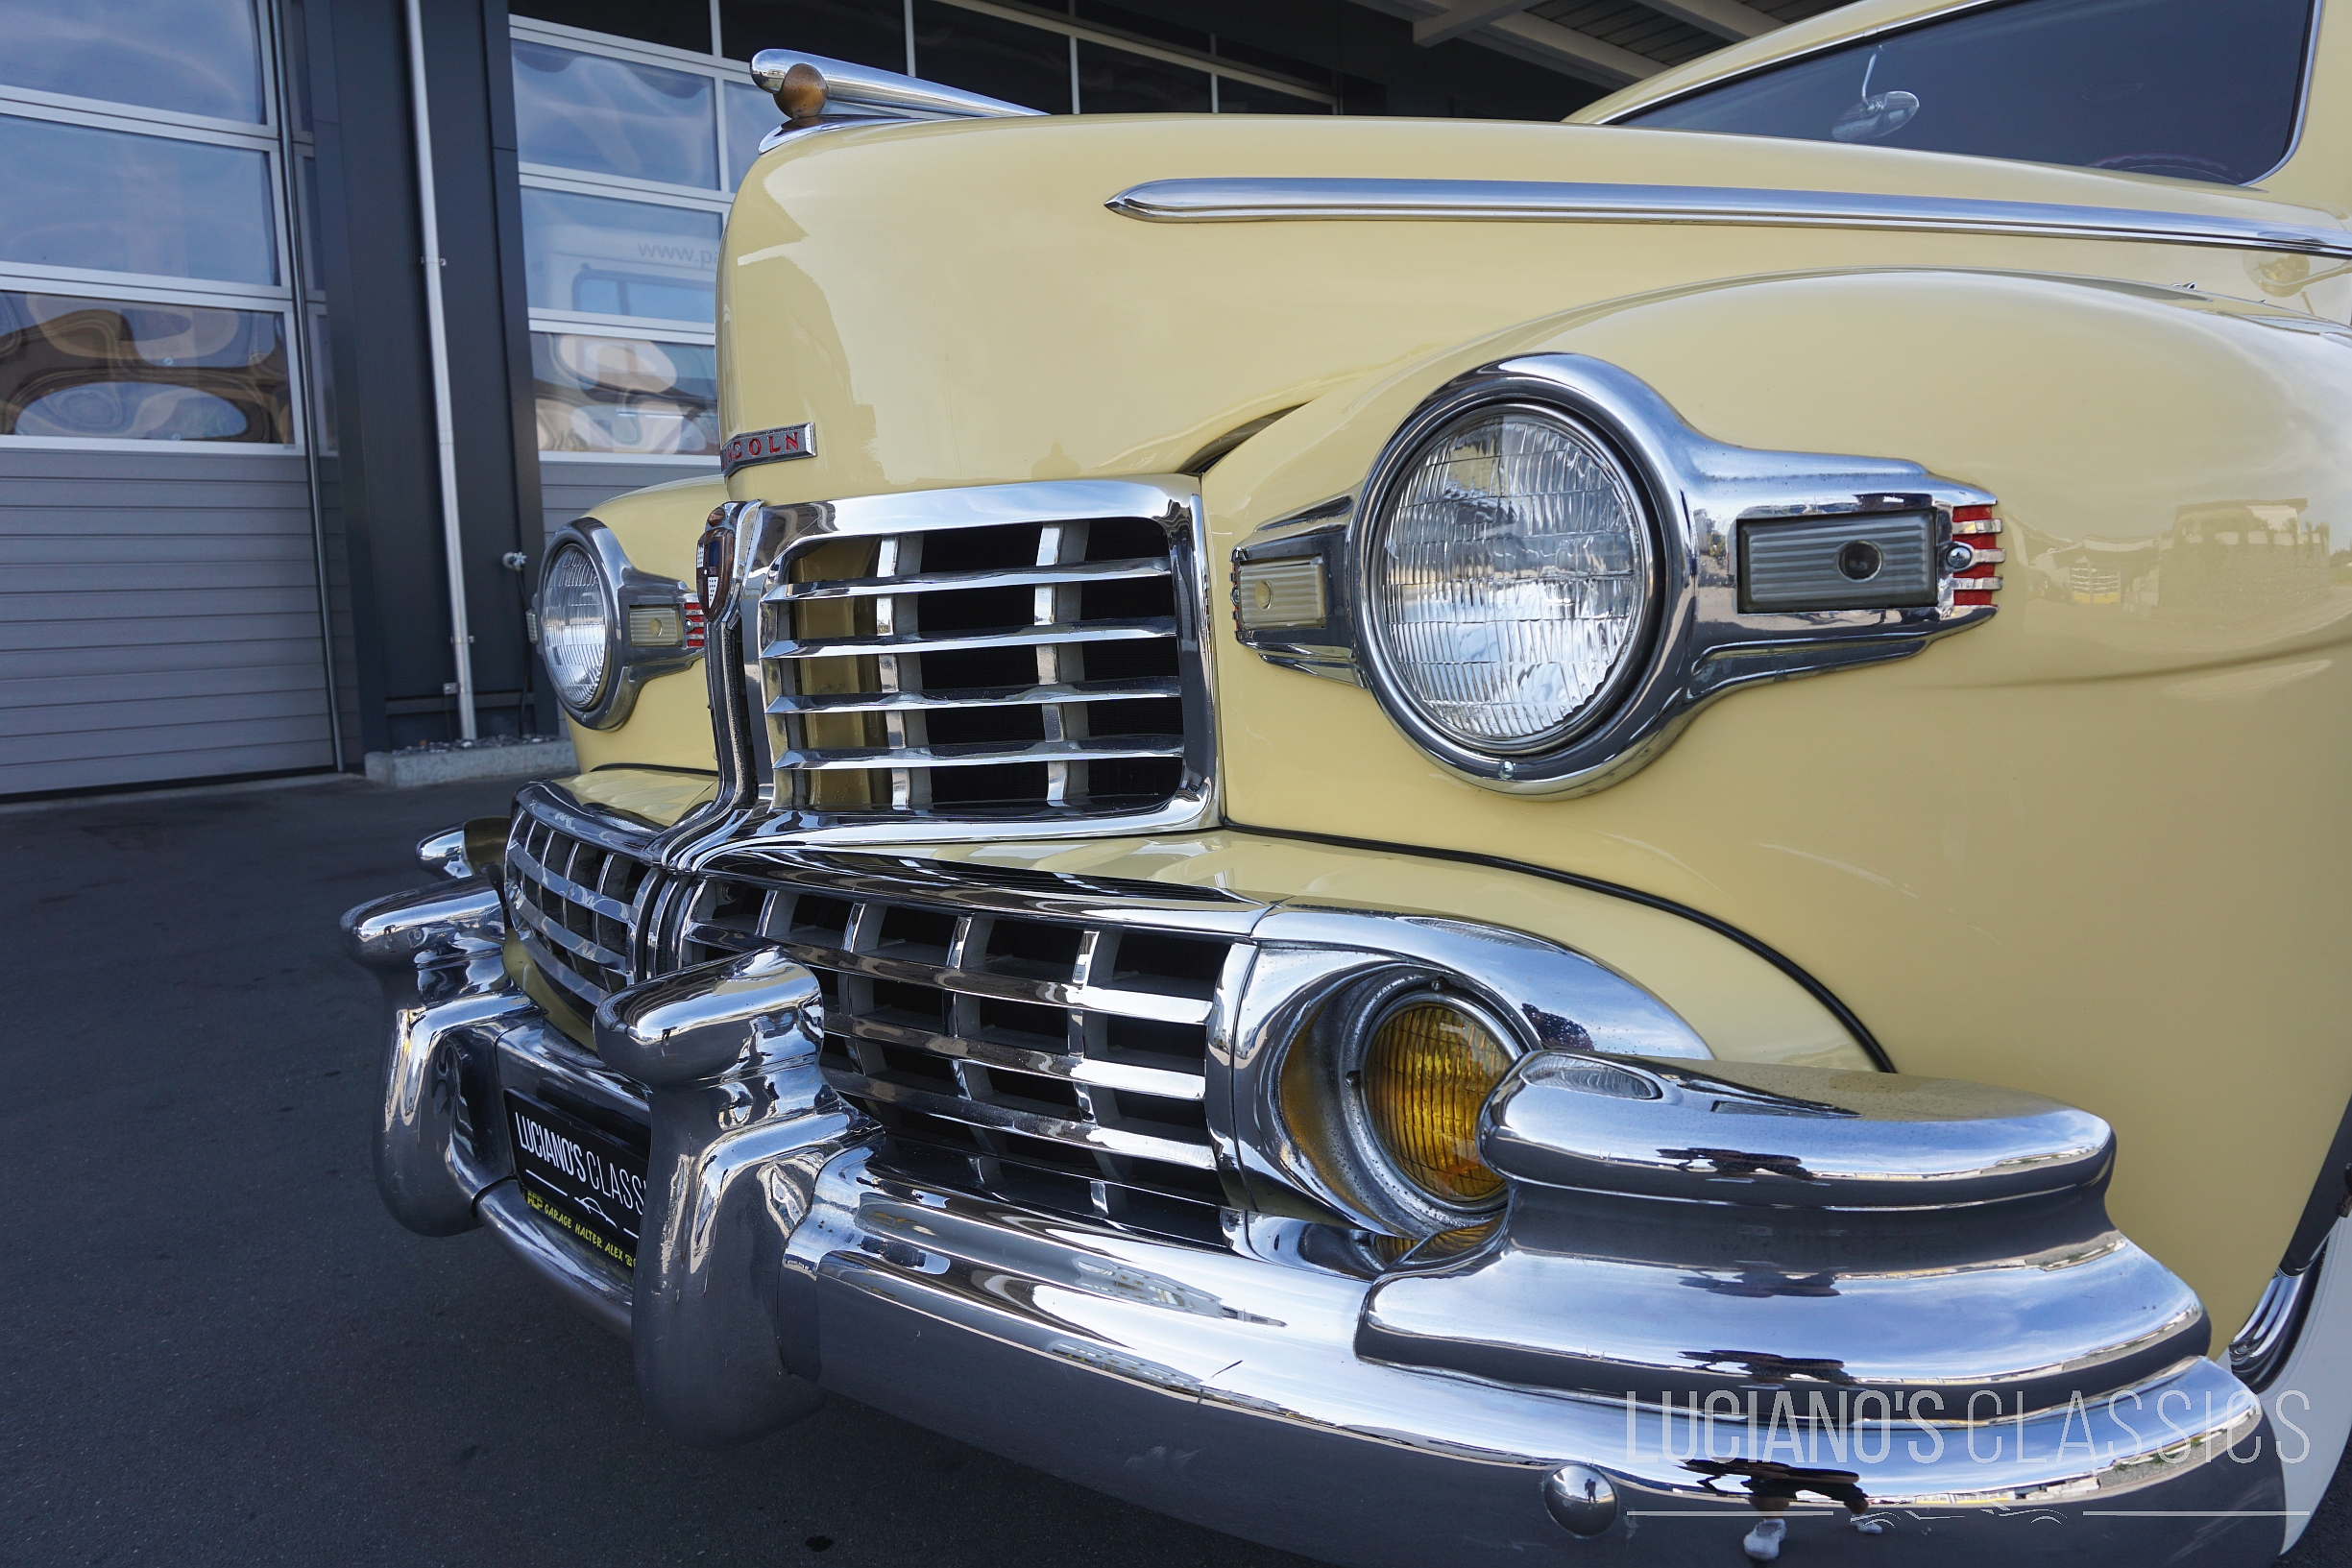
611,116
609,257
624,394
863,31
76,196
196,56
979,53
101,369
751,114
1114,81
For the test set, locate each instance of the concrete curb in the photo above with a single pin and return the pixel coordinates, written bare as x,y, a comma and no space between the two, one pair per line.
450,764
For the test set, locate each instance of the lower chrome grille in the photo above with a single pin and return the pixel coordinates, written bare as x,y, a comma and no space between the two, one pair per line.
575,903
1056,1062
1015,651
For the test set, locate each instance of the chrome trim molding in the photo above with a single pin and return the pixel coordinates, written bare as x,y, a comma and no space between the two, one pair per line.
443,854
1703,498
603,1296
628,664
878,91
848,94
1038,1339
439,956
742,1126
1797,1234
2263,1346
1249,199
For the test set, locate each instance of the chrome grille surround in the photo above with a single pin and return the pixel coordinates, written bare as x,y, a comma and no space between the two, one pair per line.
1030,1036
577,891
1026,656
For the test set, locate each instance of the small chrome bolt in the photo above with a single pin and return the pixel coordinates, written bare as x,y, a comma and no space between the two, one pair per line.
1581,1499
1958,557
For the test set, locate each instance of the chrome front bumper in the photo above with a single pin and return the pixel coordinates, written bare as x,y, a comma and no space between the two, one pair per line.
1231,1388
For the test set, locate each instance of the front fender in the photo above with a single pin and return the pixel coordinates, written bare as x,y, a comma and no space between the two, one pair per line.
2084,850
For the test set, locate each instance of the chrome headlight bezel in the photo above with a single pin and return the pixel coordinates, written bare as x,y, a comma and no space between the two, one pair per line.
1732,529
628,664
1434,423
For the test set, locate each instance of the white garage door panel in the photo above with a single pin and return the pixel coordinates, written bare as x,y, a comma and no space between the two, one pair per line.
159,619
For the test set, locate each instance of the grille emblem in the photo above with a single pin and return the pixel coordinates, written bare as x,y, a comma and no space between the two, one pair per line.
772,446
714,564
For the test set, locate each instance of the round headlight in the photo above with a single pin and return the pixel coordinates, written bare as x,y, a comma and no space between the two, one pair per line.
1507,579
1427,1066
575,626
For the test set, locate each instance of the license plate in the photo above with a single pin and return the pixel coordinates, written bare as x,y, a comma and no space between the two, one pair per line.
578,1178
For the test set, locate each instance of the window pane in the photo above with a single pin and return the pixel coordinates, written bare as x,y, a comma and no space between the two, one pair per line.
586,111
1249,98
1114,81
198,56
71,366
78,197
624,394
981,54
2180,88
1142,26
862,31
751,114
681,24
619,258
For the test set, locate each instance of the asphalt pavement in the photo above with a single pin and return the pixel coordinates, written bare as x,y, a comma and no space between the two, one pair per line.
220,1349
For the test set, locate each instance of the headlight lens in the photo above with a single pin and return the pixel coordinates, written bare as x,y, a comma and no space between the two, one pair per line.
1427,1068
1508,579
575,624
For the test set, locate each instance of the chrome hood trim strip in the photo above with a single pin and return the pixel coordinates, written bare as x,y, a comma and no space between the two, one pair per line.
1283,200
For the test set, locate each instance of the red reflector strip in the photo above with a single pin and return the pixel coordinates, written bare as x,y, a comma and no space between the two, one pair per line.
1973,585
696,629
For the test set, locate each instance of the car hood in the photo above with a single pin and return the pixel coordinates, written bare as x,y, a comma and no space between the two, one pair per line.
959,303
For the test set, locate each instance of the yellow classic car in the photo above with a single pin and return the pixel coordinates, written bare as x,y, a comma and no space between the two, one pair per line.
1444,840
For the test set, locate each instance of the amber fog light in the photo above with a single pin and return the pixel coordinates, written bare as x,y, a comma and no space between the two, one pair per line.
1428,1064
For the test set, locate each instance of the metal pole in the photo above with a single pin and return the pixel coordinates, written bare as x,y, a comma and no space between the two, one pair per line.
437,333
306,369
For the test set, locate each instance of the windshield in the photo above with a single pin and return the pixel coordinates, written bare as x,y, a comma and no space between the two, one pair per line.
2195,89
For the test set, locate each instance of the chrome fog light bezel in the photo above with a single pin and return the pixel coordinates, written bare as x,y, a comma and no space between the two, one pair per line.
1398,463
626,589
1324,1096
1381,1003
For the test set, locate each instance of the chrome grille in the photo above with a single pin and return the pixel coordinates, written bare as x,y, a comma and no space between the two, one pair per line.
1019,651
1060,1063
575,903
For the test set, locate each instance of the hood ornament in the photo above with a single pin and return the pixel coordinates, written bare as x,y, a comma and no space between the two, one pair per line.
715,563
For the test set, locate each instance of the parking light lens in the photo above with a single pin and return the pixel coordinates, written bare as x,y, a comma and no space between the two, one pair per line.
575,627
1427,1068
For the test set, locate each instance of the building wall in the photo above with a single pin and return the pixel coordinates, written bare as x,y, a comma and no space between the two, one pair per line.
159,619
572,489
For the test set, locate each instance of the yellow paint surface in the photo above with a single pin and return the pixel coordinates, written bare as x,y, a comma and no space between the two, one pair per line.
2093,849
